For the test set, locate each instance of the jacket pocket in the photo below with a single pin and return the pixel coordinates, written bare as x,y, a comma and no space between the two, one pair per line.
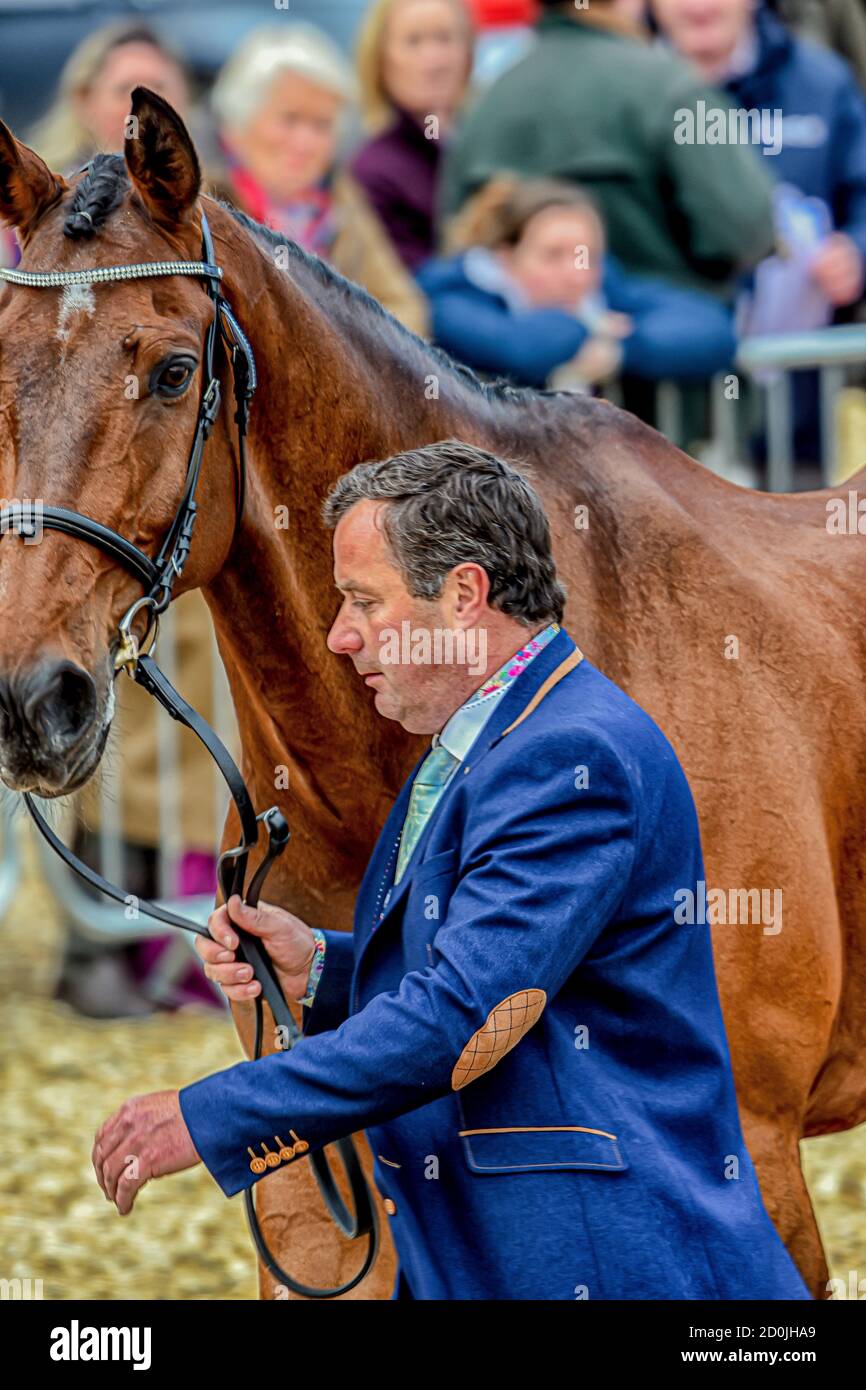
531,1148
437,864
426,907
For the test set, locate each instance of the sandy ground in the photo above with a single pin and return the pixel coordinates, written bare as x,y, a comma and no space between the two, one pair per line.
61,1076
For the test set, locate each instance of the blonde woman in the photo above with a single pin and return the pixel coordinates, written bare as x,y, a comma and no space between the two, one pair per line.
282,104
92,102
414,62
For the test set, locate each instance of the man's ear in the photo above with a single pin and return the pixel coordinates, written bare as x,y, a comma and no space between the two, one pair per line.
27,186
161,159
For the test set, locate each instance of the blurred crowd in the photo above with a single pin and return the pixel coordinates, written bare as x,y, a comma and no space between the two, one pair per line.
570,195
515,180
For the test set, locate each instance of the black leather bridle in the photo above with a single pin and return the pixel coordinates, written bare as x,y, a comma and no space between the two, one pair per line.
158,576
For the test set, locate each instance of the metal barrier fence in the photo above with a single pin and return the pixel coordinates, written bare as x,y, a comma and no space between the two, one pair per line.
765,363
769,366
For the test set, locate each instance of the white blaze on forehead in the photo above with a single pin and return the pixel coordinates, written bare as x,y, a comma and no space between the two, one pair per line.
74,298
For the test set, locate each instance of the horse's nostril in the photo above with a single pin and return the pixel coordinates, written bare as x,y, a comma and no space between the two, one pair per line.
67,704
54,702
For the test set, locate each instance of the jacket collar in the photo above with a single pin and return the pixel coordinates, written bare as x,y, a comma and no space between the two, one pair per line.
599,17
483,269
519,694
460,731
409,131
774,44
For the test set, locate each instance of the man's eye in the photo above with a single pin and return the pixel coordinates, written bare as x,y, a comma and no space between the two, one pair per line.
171,378
362,603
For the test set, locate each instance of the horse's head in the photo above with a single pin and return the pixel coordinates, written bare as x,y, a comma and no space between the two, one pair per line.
100,387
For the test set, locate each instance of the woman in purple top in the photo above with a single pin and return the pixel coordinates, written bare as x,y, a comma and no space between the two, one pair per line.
414,61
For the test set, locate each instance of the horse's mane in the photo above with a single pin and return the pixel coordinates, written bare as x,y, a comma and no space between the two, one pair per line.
331,279
105,184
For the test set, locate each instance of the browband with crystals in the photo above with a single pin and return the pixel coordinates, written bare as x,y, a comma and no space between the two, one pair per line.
38,278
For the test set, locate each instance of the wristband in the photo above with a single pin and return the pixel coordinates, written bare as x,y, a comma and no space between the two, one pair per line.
317,965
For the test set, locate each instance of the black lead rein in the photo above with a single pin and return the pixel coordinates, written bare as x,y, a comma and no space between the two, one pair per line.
158,577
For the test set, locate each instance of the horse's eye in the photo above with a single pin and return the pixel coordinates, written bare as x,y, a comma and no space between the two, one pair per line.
172,377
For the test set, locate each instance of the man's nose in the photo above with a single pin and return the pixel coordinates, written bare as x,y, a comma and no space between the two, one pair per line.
343,637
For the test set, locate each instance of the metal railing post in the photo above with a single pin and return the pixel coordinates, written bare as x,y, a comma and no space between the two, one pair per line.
832,382
780,459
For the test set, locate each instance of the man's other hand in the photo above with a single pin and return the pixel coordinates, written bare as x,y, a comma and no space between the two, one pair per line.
838,270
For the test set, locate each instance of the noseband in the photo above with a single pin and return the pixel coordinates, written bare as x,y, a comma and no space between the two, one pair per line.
157,576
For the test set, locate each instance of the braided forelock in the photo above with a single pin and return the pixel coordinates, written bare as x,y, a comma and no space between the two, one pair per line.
102,189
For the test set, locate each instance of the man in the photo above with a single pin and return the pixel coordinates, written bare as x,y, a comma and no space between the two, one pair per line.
595,102
746,51
818,128
531,1040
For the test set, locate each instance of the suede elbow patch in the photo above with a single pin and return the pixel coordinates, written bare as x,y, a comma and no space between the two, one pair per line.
503,1028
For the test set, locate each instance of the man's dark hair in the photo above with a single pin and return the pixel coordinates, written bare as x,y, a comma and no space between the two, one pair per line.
453,504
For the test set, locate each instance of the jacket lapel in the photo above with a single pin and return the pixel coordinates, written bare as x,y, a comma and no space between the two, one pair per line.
519,694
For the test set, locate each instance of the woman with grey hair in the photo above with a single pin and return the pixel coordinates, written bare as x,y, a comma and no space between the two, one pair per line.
281,102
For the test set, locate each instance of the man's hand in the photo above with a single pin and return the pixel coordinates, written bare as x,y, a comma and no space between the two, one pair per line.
146,1138
838,270
287,940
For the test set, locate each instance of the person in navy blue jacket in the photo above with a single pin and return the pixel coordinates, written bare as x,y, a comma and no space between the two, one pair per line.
525,1019
532,295
821,147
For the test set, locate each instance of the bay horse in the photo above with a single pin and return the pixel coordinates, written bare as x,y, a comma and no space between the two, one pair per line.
732,616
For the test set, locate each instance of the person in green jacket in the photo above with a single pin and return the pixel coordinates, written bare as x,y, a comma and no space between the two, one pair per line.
595,102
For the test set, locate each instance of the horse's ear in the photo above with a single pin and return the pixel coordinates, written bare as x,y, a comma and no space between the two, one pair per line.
161,159
27,185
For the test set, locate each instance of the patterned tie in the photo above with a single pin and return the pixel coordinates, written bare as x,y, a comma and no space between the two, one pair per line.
426,789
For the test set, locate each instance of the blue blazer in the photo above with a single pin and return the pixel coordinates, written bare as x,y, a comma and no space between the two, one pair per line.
533,1045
